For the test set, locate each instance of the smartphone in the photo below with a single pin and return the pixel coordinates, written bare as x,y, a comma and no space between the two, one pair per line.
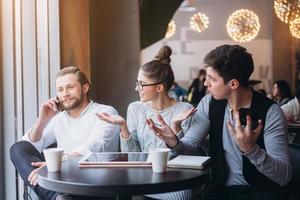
58,105
243,112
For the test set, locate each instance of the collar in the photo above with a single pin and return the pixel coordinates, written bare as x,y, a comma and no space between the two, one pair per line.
82,112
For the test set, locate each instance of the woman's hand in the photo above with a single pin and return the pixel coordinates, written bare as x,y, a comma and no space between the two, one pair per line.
163,131
113,119
178,119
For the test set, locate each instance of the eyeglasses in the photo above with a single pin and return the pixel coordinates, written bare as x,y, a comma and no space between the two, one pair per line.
141,86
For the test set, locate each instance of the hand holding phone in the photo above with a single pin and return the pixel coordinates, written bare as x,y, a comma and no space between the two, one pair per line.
49,109
243,112
244,137
58,105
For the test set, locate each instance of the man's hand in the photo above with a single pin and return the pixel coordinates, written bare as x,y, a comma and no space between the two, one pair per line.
47,112
49,109
178,119
164,132
113,119
32,178
244,137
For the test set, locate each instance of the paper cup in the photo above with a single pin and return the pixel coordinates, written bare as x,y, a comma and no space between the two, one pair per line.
159,158
53,157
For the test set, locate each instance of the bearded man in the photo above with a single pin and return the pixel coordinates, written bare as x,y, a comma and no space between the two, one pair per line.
69,120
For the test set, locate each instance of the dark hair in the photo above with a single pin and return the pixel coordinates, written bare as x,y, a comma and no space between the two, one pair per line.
231,62
160,69
284,89
201,72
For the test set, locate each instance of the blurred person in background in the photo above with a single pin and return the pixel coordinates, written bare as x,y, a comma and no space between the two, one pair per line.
291,109
177,92
281,92
197,89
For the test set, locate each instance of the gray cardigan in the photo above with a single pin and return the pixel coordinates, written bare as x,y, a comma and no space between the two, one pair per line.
141,137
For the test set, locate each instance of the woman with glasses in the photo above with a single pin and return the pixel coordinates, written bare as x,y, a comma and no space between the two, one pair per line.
154,80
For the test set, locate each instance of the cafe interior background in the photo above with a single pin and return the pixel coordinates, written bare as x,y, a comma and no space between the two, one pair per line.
110,39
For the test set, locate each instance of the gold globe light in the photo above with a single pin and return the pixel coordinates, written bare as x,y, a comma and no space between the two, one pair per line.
171,29
282,9
199,22
295,27
287,10
243,25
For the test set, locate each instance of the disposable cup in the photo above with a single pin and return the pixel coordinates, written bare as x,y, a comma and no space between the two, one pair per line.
159,158
53,157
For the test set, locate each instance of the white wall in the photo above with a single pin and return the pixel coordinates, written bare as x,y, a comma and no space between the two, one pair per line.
189,47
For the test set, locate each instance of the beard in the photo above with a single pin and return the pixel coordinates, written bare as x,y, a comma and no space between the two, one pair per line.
76,101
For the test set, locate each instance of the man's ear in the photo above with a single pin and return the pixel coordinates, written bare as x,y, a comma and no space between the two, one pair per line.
85,88
234,84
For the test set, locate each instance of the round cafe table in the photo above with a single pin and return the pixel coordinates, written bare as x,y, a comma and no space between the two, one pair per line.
106,181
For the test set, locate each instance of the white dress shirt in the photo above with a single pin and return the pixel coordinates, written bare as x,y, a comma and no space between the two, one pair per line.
82,134
292,109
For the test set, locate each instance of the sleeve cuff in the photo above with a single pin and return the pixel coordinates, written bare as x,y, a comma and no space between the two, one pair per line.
124,139
38,145
180,134
256,155
175,145
129,144
26,137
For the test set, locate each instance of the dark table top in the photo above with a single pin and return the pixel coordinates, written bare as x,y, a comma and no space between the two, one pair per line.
294,127
118,181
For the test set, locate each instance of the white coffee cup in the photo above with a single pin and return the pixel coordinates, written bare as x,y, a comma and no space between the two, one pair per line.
159,159
53,157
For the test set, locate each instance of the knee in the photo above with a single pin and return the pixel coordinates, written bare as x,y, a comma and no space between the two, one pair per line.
21,146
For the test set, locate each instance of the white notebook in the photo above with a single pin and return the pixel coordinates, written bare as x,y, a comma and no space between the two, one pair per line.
191,162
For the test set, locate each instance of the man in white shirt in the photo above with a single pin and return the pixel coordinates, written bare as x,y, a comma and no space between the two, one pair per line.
70,121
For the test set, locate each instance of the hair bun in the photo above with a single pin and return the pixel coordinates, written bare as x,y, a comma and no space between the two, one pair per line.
164,54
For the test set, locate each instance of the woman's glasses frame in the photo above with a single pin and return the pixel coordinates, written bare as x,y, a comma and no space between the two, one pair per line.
141,86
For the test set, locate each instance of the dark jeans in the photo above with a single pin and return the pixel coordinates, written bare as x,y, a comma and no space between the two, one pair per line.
244,193
22,154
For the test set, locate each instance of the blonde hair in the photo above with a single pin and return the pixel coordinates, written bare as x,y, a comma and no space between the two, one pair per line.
81,77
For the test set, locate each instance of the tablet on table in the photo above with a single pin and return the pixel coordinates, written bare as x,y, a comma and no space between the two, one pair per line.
115,159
